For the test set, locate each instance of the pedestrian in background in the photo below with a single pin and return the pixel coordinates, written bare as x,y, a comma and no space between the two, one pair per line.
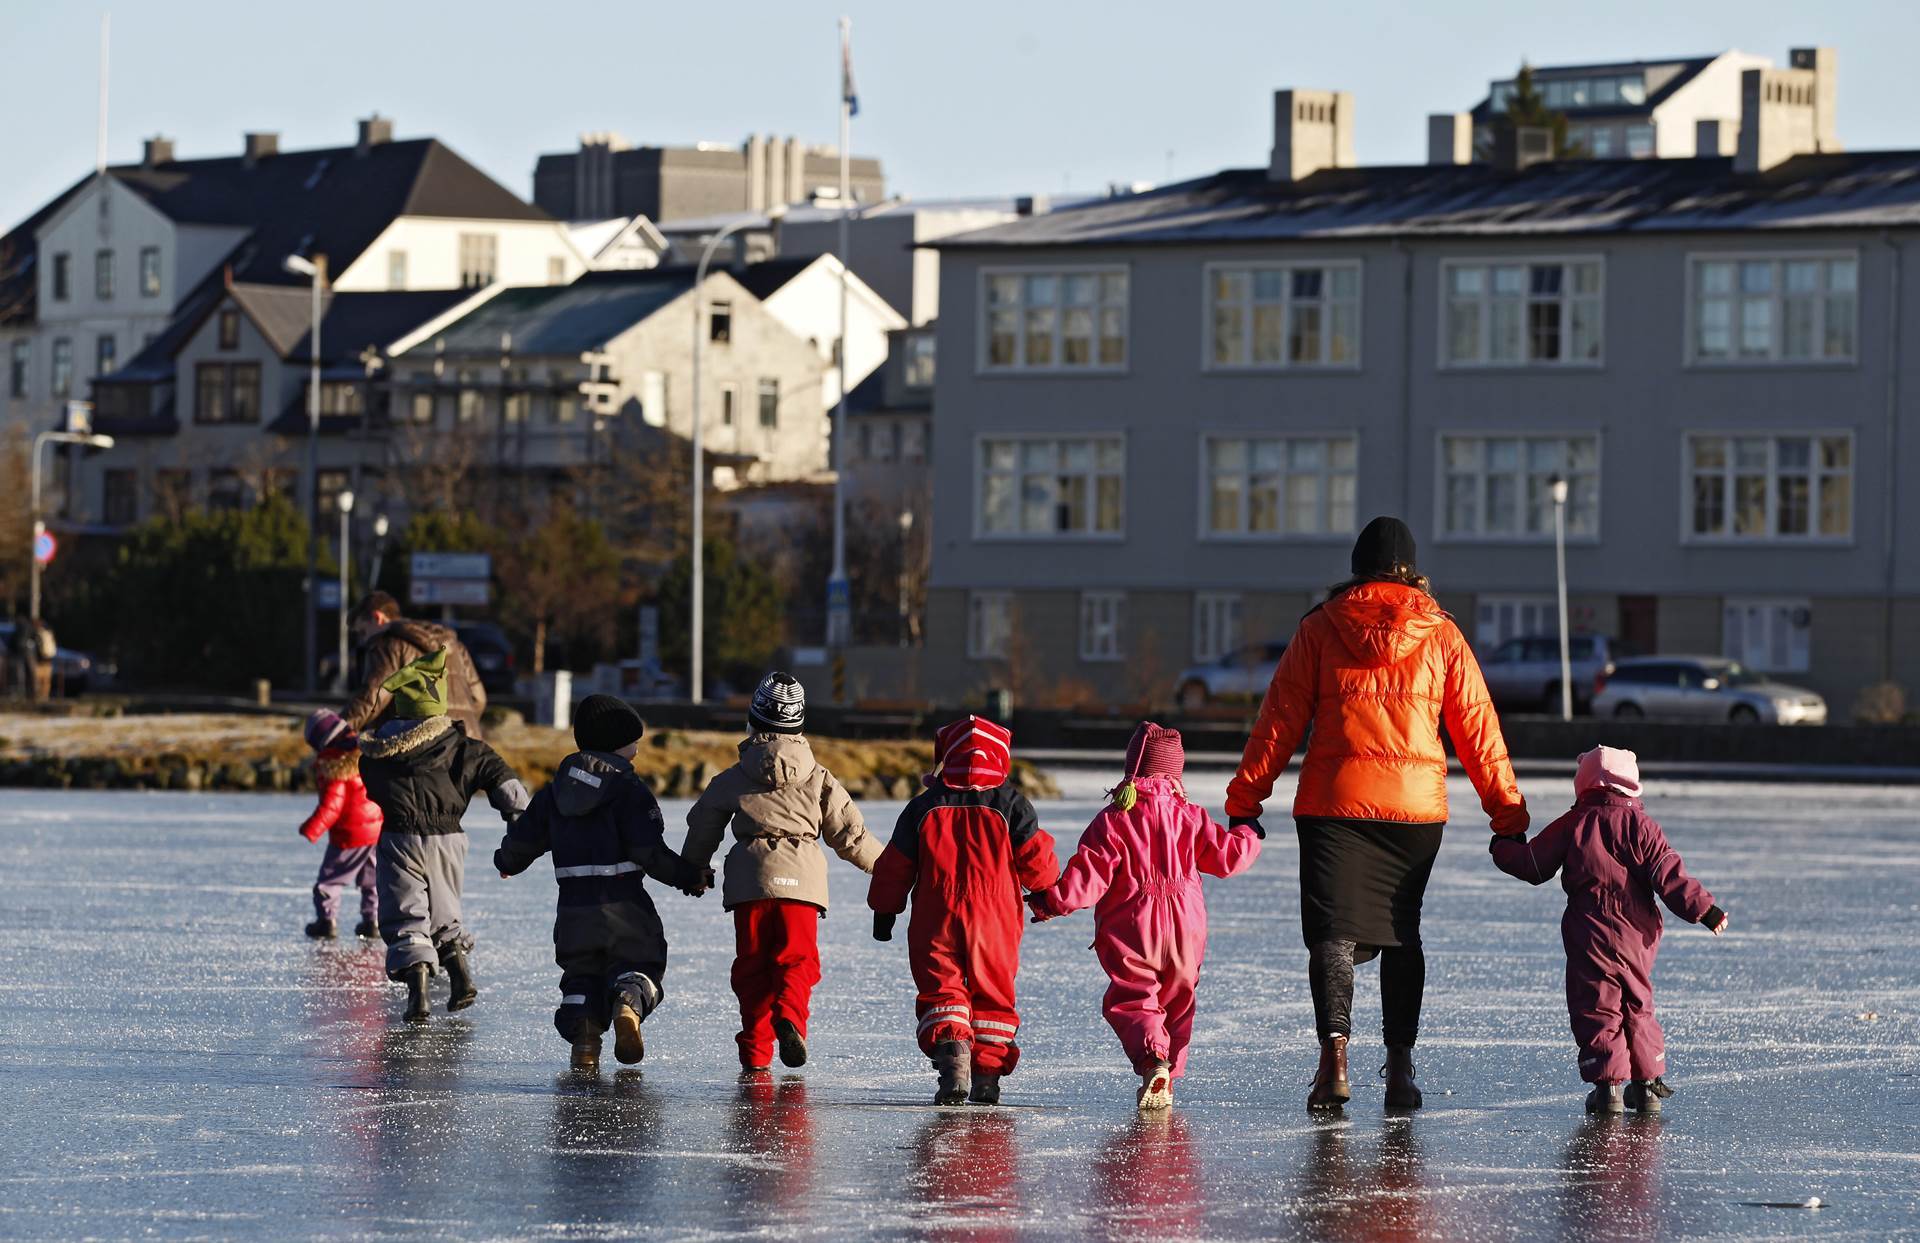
388,643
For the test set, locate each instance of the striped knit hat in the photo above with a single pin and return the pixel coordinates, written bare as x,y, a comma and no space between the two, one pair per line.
972,754
326,731
779,704
1155,751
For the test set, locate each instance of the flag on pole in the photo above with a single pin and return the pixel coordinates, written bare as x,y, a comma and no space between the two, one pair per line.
848,96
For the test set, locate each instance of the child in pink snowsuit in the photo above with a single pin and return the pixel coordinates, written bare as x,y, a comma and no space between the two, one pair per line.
1139,866
1612,858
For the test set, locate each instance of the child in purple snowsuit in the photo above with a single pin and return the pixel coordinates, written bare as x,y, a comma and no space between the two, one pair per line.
1612,858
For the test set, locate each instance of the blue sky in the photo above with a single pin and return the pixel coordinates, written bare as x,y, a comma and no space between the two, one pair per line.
982,97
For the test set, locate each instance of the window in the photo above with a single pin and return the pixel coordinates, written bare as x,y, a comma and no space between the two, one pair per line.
1522,314
516,406
1216,624
422,407
1769,487
105,350
224,490
328,485
1600,142
103,275
472,405
62,276
149,271
729,394
1639,142
880,442
21,353
396,269
556,270
1102,615
229,329
173,490
1500,618
989,624
1500,487
913,441
918,369
566,408
1284,315
1067,319
1043,488
280,482
62,367
1800,308
479,254
337,397
1771,635
769,403
653,398
720,322
119,497
210,393
1278,486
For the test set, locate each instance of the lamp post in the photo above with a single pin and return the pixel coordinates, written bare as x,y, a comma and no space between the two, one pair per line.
697,622
906,609
1559,485
345,502
91,441
315,270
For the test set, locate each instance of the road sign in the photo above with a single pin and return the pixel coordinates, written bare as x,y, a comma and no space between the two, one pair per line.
44,546
476,591
452,565
326,593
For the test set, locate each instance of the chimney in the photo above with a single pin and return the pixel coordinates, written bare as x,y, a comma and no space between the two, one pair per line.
1715,137
1312,130
1449,138
1776,118
1820,62
1517,148
155,151
756,150
776,170
797,173
374,131
259,145
1032,205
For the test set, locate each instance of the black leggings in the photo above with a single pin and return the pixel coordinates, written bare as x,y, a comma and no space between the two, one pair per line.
1403,982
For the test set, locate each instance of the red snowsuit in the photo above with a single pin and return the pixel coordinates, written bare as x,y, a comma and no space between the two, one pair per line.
345,813
965,854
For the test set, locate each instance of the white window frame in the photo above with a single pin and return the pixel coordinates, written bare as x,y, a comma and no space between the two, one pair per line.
1485,360
921,361
1219,624
1328,534
1103,640
1690,343
982,643
1489,632
1521,536
983,365
1773,437
1776,611
1326,302
479,256
1090,535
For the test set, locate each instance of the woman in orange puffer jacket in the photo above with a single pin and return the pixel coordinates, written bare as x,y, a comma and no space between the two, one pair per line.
1374,671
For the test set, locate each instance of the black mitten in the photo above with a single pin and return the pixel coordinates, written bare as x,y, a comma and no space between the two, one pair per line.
1252,822
883,926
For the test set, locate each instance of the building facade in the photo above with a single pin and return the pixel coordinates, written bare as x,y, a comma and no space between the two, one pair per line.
606,176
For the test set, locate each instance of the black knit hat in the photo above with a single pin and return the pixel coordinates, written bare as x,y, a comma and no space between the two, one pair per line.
779,704
606,723
1385,547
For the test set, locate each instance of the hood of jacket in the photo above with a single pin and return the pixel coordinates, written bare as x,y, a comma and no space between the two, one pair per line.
408,741
425,635
777,760
337,764
1384,623
587,780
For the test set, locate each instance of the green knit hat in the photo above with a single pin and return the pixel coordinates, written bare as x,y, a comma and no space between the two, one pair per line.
419,690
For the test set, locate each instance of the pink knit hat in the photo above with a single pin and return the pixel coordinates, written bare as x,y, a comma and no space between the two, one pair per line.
1608,768
1155,751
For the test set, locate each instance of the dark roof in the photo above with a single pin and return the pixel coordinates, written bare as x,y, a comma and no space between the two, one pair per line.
18,289
280,312
1686,69
563,319
1853,190
353,321
770,276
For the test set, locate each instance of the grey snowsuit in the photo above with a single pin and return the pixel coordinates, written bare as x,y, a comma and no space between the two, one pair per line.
422,774
604,829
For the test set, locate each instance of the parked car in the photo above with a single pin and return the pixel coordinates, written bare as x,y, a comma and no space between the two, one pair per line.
1239,675
74,673
1704,688
492,654
1525,672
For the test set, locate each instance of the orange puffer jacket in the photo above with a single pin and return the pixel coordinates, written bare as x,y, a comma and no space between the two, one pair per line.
1375,671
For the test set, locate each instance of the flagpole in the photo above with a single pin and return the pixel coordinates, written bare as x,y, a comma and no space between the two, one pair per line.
839,619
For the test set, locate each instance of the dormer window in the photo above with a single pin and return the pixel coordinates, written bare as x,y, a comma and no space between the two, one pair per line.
229,329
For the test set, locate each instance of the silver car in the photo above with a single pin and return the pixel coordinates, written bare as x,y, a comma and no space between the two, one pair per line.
1525,672
1240,675
1704,688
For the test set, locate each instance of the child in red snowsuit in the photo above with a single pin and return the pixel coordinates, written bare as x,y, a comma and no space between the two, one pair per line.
1612,858
351,822
964,848
1140,861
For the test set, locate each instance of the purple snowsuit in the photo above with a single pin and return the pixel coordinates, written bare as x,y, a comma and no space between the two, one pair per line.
1613,858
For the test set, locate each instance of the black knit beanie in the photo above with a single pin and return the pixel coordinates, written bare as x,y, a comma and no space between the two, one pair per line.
779,704
1385,547
606,723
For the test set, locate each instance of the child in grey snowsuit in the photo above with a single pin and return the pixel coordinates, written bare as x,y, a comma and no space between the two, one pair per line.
605,831
423,770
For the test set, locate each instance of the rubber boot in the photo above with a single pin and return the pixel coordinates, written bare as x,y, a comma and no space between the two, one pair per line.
1330,1087
986,1090
1156,1089
1402,1091
586,1056
627,1043
954,1061
367,930
1645,1095
1605,1098
459,982
322,930
415,978
793,1046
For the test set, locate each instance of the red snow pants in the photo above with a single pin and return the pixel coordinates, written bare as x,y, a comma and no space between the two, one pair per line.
1610,1007
965,954
776,963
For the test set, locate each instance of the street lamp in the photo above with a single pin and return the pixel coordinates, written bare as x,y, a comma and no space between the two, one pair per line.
1559,486
697,622
91,441
345,503
315,270
906,612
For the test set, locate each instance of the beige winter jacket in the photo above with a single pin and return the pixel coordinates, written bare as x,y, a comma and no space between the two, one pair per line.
781,803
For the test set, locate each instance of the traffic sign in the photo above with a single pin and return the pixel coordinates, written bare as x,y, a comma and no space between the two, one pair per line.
452,565
476,591
44,546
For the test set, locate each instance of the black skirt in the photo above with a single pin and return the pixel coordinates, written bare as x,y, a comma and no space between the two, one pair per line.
1364,880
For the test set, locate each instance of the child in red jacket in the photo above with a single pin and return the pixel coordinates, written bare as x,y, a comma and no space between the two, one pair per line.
1612,858
351,821
964,848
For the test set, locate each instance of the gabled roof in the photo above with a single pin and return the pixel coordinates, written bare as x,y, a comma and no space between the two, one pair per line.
562,319
770,276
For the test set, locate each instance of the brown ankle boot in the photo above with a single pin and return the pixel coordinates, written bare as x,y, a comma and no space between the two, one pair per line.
1402,1091
1330,1089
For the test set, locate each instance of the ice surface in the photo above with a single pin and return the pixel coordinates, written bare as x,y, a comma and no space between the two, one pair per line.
176,1060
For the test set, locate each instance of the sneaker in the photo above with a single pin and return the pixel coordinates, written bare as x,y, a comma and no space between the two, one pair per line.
367,930
793,1046
1156,1089
322,930
627,1043
1644,1095
1606,1098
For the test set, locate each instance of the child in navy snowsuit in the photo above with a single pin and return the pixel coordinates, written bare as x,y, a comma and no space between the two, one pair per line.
351,822
604,829
1612,858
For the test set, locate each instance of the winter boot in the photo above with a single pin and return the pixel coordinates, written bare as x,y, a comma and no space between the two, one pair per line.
954,1061
322,930
986,1090
415,978
1330,1089
627,1044
1605,1099
367,930
1156,1089
1645,1095
586,1056
459,982
793,1046
1402,1091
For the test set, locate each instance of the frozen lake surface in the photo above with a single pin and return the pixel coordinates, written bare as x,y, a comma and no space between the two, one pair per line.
177,1060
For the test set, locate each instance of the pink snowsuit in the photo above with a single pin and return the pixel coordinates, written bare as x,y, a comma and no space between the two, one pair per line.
1612,858
1142,868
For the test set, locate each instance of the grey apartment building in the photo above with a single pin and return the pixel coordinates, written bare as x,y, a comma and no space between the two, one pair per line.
1161,418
